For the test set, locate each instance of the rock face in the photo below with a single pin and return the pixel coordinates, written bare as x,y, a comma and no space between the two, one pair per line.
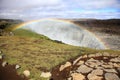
93,67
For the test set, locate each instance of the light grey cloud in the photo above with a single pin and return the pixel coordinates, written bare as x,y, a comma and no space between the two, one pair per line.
59,8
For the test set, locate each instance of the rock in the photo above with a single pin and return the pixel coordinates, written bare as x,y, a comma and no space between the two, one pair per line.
110,70
75,61
115,60
113,55
62,67
84,69
45,74
116,64
17,67
94,77
26,73
107,66
98,54
80,63
97,72
91,55
106,54
118,69
93,63
105,57
92,59
84,56
70,78
78,76
4,64
1,57
111,76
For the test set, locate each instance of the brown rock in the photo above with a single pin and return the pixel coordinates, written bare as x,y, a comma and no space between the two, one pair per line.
78,76
111,76
97,72
84,69
80,63
75,61
94,77
62,67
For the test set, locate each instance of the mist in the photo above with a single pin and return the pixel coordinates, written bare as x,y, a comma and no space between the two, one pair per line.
65,32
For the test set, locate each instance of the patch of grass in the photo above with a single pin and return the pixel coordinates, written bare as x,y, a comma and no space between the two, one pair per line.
38,53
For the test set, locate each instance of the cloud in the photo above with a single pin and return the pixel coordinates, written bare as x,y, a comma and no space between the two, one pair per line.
19,4
95,4
35,9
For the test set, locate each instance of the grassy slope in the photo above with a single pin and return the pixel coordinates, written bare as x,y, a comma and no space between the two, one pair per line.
38,53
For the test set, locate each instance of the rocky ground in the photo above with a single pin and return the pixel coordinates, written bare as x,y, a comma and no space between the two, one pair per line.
89,67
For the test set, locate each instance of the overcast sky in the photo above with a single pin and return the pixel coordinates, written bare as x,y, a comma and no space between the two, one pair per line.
36,9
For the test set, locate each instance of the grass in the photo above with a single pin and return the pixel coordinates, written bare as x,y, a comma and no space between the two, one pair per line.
38,53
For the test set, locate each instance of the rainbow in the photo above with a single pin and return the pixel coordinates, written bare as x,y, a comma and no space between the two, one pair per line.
59,20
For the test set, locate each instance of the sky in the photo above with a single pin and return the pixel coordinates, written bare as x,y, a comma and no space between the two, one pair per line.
37,9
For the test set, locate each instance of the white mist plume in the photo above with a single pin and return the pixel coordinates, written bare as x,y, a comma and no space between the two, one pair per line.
66,32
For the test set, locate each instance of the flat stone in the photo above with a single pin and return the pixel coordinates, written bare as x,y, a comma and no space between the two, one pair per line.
110,63
91,55
84,69
62,67
93,63
115,60
78,76
116,64
99,67
76,60
97,72
80,63
107,66
94,77
106,54
98,54
84,56
45,74
110,70
113,55
111,76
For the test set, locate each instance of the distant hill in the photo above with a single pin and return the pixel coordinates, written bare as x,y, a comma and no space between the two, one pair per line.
4,23
111,26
